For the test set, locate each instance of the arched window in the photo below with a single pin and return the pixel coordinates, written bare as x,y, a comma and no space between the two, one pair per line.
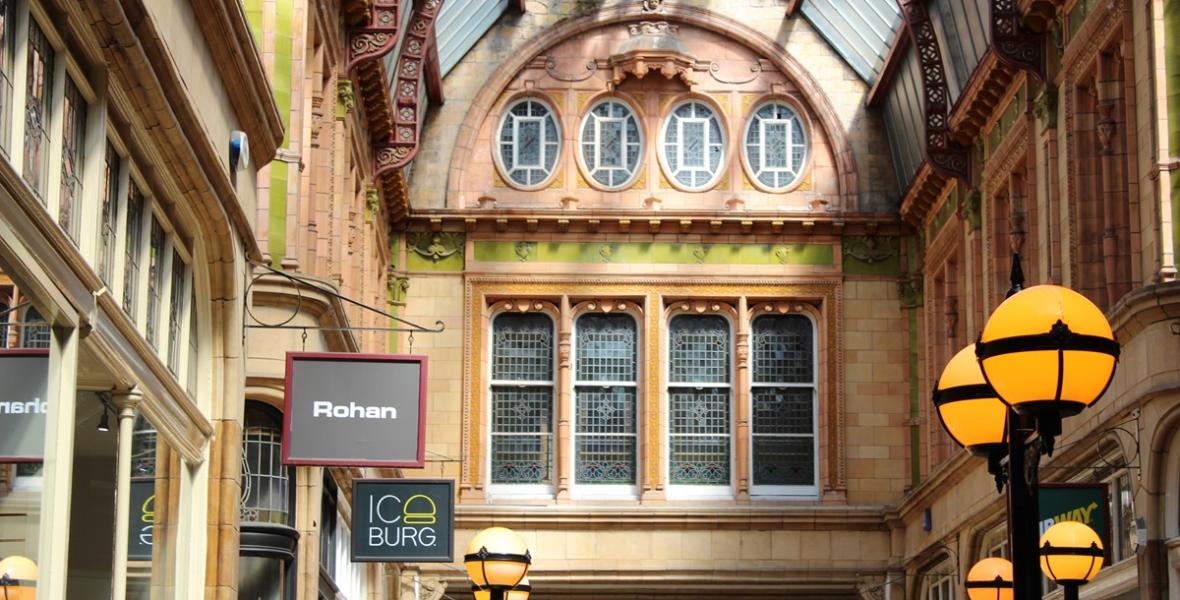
783,412
522,382
529,143
775,146
693,145
33,334
611,144
995,542
266,493
699,399
939,582
605,387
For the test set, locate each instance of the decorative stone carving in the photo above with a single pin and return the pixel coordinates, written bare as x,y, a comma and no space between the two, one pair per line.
652,47
970,209
435,245
345,98
870,248
1105,127
651,5
909,290
1045,108
526,251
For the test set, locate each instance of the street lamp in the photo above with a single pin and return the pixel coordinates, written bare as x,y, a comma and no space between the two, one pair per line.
1071,555
990,579
497,561
18,578
1046,352
520,592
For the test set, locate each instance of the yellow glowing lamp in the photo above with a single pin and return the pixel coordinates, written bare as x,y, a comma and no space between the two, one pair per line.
520,592
497,558
990,579
18,578
1071,553
1048,352
968,407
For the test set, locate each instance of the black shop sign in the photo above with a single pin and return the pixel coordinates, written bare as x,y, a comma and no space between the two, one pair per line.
403,520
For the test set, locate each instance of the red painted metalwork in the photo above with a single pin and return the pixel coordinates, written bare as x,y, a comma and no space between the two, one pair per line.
946,157
376,38
400,148
1016,45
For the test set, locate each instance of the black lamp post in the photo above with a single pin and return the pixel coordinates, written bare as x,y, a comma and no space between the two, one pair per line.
1046,352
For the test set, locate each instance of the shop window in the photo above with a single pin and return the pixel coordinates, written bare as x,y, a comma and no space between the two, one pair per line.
1122,513
72,158
693,145
611,144
529,143
328,528
176,308
33,333
783,398
266,496
522,399
605,390
132,248
108,215
699,400
143,449
155,278
38,88
775,146
7,51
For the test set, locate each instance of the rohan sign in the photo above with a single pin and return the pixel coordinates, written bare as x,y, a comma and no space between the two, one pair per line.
355,410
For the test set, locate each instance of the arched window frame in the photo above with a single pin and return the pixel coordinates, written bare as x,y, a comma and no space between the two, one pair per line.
634,312
547,488
729,314
661,149
752,171
282,512
504,170
641,151
805,491
939,581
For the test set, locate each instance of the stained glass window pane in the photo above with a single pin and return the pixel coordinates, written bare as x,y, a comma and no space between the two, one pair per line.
522,415
530,142
611,143
783,349
693,144
783,411
606,347
783,461
132,248
155,278
72,158
699,349
775,145
606,460
699,460
7,40
176,311
522,348
38,88
605,426
109,212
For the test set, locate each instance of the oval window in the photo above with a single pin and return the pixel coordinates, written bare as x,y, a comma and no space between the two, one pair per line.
611,144
693,145
529,143
775,146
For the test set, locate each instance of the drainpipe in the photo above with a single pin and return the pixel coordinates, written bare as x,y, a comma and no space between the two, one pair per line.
127,403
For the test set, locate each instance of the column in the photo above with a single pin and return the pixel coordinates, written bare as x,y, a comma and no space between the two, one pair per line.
564,399
741,398
53,549
127,403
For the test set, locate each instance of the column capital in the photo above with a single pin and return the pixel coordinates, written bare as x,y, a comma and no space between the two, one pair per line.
127,399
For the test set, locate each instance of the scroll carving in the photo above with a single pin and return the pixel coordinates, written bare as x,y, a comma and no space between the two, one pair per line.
376,38
402,145
1014,44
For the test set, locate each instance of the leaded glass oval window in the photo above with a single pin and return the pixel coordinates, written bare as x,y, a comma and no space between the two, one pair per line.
529,143
693,145
611,144
775,146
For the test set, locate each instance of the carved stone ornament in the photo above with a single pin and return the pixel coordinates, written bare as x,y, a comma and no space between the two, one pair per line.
1105,127
909,290
970,209
870,248
526,251
435,245
651,5
345,98
1045,108
652,48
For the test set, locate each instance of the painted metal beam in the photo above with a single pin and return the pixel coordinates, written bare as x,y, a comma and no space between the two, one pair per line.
402,145
376,38
1016,45
945,156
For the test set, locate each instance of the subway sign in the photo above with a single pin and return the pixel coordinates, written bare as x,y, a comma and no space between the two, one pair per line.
347,409
403,520
1086,503
24,386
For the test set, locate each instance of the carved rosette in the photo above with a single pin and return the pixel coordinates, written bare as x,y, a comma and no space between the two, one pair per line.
376,38
400,149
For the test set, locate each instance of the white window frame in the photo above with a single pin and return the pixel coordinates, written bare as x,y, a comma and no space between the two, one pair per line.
504,170
691,491
752,171
939,580
662,150
521,490
788,491
617,491
588,169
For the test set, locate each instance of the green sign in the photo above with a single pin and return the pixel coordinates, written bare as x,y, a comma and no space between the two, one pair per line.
1086,503
403,520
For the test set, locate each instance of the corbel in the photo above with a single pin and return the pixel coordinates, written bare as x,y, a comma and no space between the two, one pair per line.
376,37
1016,45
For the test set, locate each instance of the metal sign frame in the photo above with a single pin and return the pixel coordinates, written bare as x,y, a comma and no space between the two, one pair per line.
420,360
450,517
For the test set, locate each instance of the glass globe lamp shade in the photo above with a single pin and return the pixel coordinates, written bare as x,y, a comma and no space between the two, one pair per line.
520,592
990,579
18,578
968,407
1048,351
497,558
1071,553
